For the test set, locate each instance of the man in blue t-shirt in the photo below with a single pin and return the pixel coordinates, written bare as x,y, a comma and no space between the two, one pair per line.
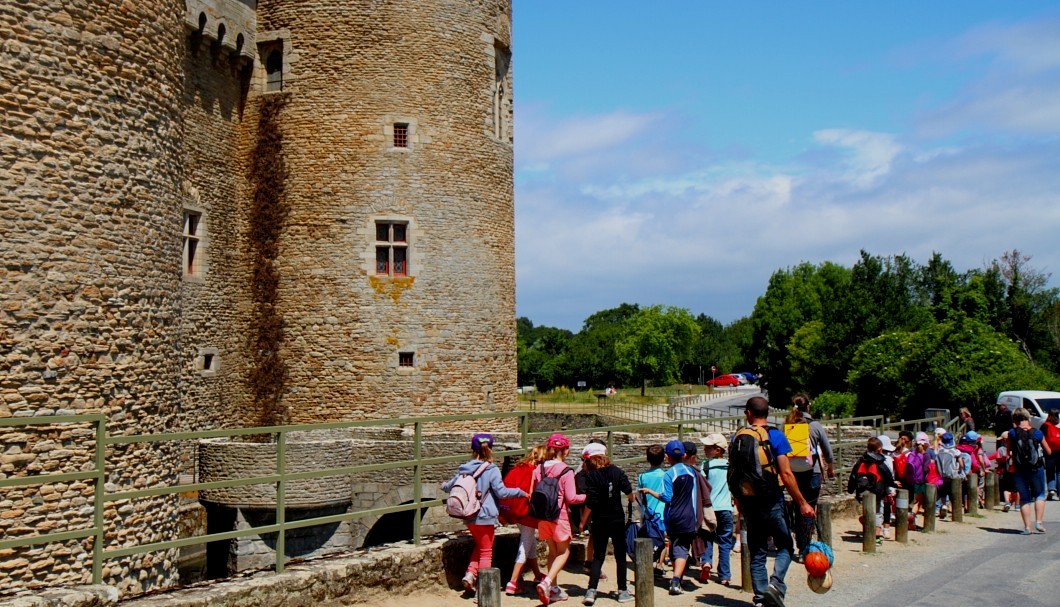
1026,447
766,517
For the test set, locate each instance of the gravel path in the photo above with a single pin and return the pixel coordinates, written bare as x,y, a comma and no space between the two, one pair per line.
982,562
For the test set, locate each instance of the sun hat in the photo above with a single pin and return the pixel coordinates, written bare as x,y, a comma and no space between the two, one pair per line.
593,449
690,447
971,436
715,439
886,441
922,438
940,431
675,448
481,439
947,439
558,441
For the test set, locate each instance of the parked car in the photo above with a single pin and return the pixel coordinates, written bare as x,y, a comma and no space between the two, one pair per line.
751,377
1037,402
724,380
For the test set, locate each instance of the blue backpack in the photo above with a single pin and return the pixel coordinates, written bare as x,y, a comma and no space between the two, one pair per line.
650,526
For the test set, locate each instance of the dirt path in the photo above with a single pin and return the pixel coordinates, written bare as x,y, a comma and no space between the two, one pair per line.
938,563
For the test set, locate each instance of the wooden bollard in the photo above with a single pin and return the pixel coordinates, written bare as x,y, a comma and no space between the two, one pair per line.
644,580
489,587
901,506
973,495
868,522
930,495
824,522
957,500
745,559
989,484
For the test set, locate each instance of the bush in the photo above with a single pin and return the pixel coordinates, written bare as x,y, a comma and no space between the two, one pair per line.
835,404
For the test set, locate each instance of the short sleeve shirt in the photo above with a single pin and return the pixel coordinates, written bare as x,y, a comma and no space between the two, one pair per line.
779,443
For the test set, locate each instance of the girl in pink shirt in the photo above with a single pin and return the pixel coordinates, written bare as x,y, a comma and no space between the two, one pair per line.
557,534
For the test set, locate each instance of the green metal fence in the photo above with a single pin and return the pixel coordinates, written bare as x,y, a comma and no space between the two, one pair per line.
281,478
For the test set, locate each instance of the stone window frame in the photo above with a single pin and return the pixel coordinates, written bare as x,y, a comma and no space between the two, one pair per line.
268,42
499,119
407,360
208,362
412,236
194,257
413,136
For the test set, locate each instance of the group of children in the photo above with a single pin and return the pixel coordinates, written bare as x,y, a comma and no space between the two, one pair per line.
918,460
549,500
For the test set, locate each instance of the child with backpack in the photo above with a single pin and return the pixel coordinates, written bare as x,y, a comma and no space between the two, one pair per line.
473,494
604,485
952,464
1027,451
553,491
918,463
517,511
652,507
871,474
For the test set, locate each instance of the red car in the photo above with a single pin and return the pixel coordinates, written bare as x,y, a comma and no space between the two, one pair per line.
724,380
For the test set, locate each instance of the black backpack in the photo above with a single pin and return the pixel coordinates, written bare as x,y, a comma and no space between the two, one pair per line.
752,465
1025,450
544,499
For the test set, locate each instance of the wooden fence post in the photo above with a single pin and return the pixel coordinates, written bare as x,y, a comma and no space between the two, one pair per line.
489,587
824,522
989,484
901,506
644,580
868,522
745,558
957,500
973,495
930,495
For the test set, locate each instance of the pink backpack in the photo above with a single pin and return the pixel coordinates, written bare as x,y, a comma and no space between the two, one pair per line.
463,501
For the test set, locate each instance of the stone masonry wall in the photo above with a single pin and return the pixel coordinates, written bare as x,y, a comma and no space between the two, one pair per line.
356,69
90,180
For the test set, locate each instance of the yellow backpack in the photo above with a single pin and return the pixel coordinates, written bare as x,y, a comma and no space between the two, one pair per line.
799,437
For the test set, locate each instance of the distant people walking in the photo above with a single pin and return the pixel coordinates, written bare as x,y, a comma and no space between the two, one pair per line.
1027,450
605,484
555,531
1002,420
1051,430
966,417
811,460
758,465
716,469
485,491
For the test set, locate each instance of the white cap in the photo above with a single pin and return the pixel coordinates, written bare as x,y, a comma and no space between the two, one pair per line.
593,449
886,440
940,431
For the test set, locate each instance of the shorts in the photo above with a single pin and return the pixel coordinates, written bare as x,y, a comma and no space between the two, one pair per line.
920,489
558,531
1031,485
681,545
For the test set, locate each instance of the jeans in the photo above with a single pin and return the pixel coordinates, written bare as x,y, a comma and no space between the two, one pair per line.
767,519
726,540
810,488
1030,484
1052,469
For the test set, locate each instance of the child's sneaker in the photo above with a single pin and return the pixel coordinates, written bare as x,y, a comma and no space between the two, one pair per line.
543,588
590,597
624,596
675,586
1039,527
511,589
469,581
556,594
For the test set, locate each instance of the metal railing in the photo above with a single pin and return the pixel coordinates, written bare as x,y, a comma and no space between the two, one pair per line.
280,477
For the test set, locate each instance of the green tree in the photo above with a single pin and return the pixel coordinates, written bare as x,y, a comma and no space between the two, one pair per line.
657,341
592,350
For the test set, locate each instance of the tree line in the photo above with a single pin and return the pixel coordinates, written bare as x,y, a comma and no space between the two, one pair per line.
886,336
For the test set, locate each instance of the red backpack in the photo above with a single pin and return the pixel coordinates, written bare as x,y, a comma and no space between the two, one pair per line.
1052,436
899,462
517,509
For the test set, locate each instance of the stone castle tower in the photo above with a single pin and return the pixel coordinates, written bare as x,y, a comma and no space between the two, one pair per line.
223,213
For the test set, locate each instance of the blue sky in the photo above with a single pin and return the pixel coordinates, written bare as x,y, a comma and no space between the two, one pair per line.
681,152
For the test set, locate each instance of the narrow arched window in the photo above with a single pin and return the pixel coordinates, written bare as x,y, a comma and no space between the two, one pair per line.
274,70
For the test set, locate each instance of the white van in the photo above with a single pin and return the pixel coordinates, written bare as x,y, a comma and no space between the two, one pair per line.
1037,402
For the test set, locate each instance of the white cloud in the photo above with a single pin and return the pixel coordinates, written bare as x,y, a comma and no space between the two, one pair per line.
543,141
869,154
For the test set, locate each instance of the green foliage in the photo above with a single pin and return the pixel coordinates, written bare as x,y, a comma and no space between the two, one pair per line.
835,404
657,341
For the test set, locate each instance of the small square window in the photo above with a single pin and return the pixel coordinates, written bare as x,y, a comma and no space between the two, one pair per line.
207,362
405,359
401,135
